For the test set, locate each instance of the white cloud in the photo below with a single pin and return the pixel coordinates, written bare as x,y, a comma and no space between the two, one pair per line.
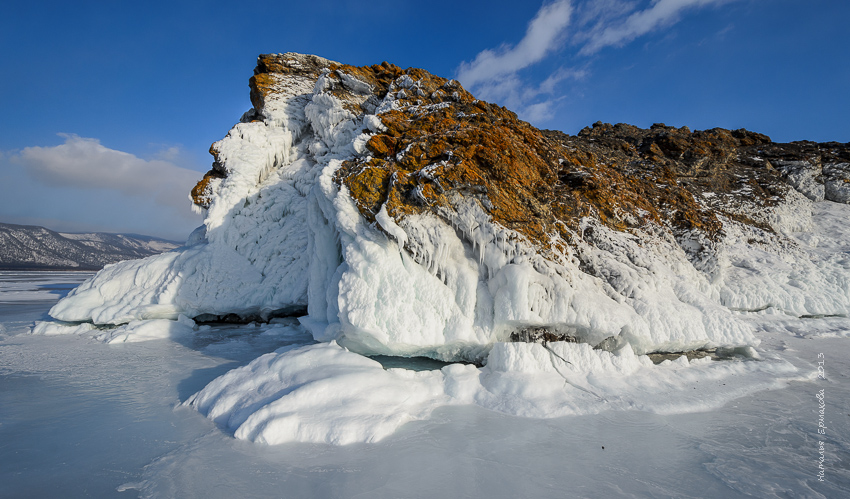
494,74
82,185
662,13
86,164
592,17
540,111
544,34
531,102
549,84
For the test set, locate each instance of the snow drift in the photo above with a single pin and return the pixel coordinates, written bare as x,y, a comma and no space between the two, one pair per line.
327,394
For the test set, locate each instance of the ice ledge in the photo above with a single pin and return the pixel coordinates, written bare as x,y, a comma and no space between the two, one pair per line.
326,394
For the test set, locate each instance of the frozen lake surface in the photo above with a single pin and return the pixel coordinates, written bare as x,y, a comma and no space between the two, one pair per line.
80,418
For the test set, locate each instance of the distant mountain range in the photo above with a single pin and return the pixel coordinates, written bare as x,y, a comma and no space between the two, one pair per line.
29,247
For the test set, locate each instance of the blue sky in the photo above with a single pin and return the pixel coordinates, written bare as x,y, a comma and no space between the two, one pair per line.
109,107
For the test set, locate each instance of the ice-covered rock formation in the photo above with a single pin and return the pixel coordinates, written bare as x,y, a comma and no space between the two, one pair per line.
399,215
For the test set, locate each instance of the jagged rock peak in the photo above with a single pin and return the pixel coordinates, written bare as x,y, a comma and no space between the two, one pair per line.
437,145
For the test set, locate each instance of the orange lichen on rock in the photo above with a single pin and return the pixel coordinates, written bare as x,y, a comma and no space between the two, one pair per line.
201,193
440,140
439,144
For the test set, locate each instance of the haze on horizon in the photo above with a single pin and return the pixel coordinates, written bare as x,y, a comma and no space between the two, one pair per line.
113,107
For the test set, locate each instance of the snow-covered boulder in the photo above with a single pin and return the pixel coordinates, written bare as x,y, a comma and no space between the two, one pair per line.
397,214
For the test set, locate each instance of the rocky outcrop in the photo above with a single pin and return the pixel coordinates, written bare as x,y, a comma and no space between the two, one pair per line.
410,218
818,170
439,146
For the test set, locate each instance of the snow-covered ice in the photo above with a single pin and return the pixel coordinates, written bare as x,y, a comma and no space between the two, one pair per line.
79,417
330,393
26,286
324,393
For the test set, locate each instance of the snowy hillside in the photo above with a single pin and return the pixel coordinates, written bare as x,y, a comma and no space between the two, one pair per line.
32,247
395,214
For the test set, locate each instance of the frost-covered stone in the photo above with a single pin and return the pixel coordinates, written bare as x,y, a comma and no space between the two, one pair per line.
405,217
805,177
837,182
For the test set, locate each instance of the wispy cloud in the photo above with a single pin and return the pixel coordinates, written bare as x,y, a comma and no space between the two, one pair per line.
85,163
544,34
662,13
495,74
82,185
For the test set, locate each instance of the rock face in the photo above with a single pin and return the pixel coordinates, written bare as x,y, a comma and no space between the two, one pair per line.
819,171
437,140
410,218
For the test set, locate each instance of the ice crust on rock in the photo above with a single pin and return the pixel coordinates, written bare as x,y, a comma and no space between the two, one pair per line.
48,328
281,236
837,182
806,274
802,175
